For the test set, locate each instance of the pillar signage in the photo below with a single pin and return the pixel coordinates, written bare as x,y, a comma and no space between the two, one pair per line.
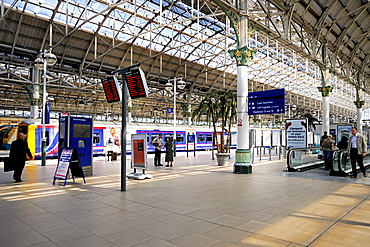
266,102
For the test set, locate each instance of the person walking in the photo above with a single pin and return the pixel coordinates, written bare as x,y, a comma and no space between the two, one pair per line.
327,149
157,143
17,156
169,152
356,150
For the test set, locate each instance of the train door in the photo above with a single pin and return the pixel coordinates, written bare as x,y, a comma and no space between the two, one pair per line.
98,141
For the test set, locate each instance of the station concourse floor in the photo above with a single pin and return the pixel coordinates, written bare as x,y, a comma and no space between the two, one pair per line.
196,203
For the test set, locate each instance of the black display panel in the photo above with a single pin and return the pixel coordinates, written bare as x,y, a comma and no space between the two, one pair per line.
112,89
136,83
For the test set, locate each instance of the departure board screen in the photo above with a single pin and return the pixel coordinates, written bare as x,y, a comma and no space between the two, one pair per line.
112,89
136,83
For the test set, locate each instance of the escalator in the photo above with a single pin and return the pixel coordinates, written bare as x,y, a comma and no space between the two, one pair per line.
342,166
302,159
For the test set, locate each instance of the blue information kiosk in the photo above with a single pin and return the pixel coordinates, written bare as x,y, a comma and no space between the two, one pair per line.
76,132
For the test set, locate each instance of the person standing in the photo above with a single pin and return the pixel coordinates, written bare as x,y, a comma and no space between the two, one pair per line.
323,137
17,155
327,149
158,143
343,143
356,150
169,152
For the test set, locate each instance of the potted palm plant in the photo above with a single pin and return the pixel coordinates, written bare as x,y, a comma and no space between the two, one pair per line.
219,109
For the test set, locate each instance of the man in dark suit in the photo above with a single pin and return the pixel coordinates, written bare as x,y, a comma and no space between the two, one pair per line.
18,152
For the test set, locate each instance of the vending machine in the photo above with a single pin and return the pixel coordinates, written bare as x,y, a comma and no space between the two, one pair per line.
76,132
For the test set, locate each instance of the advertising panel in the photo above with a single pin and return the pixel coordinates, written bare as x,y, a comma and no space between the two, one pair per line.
343,130
139,151
296,133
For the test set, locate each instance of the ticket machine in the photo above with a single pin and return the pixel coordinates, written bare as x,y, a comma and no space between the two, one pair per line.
76,132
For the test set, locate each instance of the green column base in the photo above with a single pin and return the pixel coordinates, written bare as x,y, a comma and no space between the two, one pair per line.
242,169
242,161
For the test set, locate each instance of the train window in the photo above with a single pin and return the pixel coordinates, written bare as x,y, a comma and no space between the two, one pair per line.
201,138
209,138
179,138
153,136
23,129
96,138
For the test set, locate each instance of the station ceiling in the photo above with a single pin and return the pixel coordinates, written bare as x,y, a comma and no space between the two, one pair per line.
188,39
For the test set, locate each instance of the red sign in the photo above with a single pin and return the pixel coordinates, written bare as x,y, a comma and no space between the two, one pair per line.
112,89
240,122
136,83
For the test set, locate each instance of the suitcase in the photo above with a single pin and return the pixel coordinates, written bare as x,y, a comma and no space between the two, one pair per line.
8,165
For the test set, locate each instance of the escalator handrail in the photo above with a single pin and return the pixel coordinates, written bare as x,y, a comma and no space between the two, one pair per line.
291,150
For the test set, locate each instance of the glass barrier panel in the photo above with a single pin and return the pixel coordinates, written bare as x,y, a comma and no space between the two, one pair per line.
299,157
336,160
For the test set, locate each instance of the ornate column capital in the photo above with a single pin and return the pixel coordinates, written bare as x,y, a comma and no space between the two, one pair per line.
359,103
242,55
325,91
35,101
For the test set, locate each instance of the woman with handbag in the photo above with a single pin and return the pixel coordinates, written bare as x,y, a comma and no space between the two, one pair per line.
327,149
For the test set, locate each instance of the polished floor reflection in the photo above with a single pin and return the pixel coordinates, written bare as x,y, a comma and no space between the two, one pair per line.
194,203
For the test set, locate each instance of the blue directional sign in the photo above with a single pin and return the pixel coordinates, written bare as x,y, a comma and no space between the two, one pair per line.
266,102
170,110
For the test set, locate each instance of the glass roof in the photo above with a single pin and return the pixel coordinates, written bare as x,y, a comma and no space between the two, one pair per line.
177,29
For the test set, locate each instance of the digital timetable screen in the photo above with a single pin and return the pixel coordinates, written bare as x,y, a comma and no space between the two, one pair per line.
136,83
112,89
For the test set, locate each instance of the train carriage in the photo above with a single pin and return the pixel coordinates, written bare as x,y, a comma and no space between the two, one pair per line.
107,136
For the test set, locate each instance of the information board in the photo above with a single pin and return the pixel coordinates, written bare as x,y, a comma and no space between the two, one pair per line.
275,137
266,138
136,83
266,102
63,165
296,133
68,160
258,140
139,151
112,89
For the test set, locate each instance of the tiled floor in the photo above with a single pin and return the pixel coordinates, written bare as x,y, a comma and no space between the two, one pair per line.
196,203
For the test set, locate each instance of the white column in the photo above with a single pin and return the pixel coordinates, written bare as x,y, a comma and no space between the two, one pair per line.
242,91
325,114
174,110
34,109
359,120
129,105
189,114
242,104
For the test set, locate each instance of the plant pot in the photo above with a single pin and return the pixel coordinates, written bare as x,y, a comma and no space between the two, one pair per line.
222,158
